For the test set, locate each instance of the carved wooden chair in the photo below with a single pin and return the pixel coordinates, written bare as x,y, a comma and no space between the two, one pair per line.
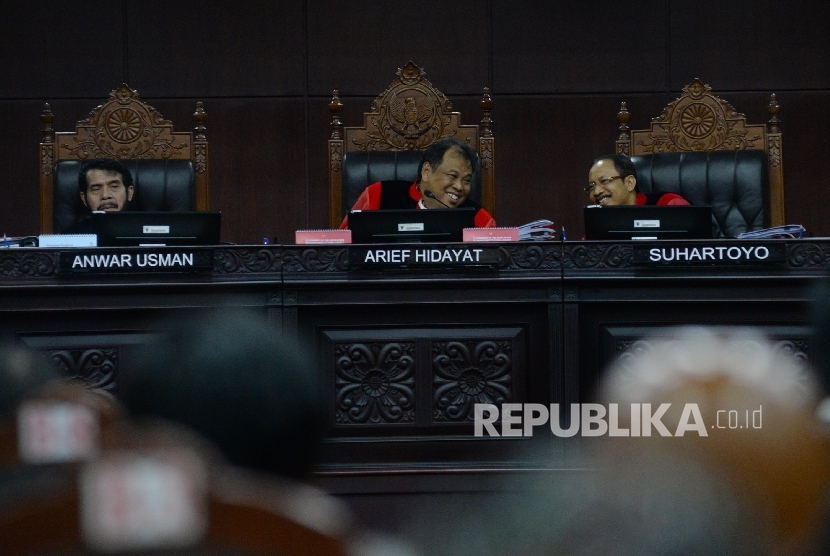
170,169
703,149
404,120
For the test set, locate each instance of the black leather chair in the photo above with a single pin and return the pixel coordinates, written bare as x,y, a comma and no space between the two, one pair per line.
700,147
404,120
731,181
159,185
361,168
169,169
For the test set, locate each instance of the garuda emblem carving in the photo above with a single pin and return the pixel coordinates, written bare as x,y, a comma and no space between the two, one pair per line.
409,114
412,116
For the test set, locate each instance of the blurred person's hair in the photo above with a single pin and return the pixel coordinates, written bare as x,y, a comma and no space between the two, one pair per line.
231,377
780,462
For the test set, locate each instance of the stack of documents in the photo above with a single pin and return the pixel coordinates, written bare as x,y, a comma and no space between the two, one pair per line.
538,230
788,231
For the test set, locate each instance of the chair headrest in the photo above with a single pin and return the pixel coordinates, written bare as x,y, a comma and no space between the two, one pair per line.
734,183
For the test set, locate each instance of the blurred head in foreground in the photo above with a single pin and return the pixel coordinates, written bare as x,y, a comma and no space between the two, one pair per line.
757,400
230,377
753,491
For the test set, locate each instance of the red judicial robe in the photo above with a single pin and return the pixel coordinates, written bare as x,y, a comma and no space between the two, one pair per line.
661,200
399,195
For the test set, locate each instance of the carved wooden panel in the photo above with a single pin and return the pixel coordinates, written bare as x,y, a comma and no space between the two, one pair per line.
469,372
698,121
582,256
247,260
18,264
418,378
98,367
124,127
410,114
375,383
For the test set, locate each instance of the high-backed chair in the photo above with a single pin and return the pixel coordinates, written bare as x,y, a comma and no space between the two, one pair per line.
170,169
703,149
404,120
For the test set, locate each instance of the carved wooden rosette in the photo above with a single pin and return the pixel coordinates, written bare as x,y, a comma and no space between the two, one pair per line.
410,114
700,121
127,128
96,366
468,373
375,383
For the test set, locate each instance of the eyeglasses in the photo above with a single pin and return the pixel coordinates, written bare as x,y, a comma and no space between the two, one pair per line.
602,181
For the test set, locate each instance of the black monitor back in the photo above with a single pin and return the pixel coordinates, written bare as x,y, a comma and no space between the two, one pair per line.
648,222
156,228
410,225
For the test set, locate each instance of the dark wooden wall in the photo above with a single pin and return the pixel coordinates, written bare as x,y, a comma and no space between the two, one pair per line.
265,70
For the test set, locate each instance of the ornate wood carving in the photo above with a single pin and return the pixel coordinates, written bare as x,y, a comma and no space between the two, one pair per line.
201,158
623,141
486,105
46,159
773,109
199,118
571,294
125,127
336,107
98,367
336,157
409,115
47,118
524,256
375,383
469,372
597,255
244,261
27,264
808,255
698,121
318,259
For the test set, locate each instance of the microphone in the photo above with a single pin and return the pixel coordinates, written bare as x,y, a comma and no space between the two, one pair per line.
429,194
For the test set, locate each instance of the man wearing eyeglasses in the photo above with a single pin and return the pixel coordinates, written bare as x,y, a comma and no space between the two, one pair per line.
612,180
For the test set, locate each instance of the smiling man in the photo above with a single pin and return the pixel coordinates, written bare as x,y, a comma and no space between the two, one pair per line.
612,180
445,175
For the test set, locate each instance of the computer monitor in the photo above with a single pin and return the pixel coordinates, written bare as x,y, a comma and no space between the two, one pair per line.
156,228
648,222
410,225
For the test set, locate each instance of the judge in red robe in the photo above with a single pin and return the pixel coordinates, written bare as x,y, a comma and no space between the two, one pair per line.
612,180
444,180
